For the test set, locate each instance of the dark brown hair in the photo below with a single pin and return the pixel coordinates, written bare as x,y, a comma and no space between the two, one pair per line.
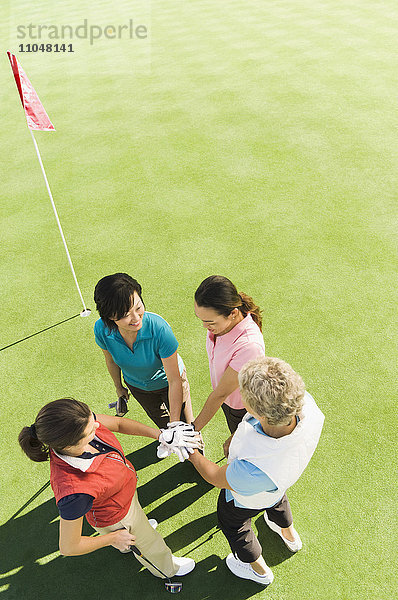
112,295
220,294
59,424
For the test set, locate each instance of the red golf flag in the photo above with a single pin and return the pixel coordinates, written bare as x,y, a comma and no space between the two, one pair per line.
36,116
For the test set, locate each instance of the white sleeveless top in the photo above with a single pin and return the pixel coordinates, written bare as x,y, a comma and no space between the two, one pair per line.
282,459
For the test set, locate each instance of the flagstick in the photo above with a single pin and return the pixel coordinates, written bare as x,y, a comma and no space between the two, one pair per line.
86,311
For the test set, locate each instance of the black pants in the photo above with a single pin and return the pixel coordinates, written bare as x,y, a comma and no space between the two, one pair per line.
156,404
233,416
235,524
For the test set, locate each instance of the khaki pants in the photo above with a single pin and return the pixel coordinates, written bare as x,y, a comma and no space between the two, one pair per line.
149,542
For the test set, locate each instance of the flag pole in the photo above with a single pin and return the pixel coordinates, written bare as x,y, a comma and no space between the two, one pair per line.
86,311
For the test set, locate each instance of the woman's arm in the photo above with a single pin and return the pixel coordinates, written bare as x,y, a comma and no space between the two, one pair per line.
211,472
115,372
175,386
73,543
128,426
228,383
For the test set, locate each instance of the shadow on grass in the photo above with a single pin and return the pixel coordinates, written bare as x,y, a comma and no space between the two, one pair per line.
36,495
32,569
145,456
38,332
274,550
170,481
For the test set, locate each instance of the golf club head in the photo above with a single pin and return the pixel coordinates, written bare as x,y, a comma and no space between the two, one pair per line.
173,587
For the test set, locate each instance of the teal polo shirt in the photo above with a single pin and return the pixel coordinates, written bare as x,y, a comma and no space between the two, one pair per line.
142,366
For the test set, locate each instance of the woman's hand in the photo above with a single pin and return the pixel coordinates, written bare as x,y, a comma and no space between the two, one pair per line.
122,540
73,543
122,391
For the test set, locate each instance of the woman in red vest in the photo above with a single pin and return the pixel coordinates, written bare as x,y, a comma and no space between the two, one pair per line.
91,476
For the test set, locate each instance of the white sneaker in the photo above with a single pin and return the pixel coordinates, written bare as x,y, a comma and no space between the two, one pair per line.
246,571
186,565
153,523
293,546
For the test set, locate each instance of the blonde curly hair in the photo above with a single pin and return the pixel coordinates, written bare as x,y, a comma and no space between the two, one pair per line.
272,389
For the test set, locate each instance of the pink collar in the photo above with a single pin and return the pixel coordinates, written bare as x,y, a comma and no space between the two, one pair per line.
235,332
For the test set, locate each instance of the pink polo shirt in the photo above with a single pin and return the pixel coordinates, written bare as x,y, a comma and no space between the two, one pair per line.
234,349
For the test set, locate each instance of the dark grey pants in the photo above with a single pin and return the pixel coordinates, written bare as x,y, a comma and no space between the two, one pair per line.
233,416
156,404
235,524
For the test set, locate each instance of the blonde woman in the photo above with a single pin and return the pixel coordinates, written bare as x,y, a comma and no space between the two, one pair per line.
269,451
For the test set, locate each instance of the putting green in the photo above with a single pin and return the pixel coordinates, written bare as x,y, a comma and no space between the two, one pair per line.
251,139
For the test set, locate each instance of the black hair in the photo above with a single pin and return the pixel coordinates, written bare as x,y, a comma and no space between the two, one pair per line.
112,296
59,424
220,294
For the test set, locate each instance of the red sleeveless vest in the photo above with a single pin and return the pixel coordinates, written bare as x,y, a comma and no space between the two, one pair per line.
110,478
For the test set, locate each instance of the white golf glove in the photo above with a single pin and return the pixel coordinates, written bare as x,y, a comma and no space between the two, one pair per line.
181,425
162,451
179,439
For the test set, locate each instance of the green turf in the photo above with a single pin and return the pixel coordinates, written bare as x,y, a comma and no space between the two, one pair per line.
252,139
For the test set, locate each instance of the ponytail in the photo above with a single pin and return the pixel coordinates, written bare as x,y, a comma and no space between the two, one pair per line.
220,294
59,424
33,448
249,306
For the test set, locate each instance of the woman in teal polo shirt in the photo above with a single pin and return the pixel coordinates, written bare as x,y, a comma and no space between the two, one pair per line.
141,346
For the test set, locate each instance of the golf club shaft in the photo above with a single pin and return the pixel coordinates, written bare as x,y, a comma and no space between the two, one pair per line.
138,553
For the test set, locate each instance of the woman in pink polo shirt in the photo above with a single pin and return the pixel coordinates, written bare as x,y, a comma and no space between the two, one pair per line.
233,323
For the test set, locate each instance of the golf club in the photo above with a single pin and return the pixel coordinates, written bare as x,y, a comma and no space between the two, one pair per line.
120,405
172,587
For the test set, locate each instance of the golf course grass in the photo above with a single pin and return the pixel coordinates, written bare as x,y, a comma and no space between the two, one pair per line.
255,139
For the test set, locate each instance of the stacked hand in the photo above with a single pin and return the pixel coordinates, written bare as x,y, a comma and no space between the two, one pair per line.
180,438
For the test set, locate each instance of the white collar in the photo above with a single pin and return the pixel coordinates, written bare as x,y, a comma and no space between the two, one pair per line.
83,464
